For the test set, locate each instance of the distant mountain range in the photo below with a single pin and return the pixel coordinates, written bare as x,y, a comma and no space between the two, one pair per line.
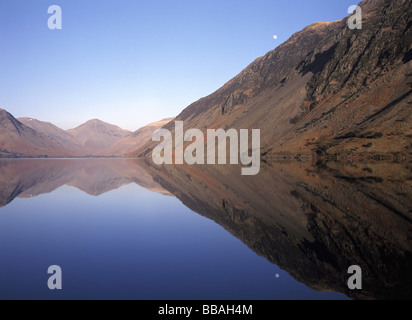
19,140
27,137
328,91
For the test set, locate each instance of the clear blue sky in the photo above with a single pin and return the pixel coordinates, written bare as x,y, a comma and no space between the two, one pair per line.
131,62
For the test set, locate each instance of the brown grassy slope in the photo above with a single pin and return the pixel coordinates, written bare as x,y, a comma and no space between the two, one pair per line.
95,135
134,140
16,139
327,90
55,133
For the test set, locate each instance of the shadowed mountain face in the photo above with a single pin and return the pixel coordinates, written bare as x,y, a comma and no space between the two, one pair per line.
28,178
328,90
314,221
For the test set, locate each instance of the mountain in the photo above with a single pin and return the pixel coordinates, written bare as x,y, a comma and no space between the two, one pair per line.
135,140
95,136
19,140
55,133
328,91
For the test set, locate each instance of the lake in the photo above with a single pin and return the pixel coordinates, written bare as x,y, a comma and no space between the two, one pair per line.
127,229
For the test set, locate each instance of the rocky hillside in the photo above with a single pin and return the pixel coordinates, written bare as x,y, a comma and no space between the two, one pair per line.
28,137
55,133
327,91
134,140
17,139
96,135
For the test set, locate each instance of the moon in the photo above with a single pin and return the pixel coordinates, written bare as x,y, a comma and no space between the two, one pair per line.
275,37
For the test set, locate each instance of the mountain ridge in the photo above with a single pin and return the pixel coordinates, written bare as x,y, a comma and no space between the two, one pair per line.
53,132
29,137
324,92
328,91
96,135
134,140
17,139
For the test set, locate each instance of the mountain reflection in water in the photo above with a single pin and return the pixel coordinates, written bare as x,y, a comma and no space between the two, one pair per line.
311,220
31,177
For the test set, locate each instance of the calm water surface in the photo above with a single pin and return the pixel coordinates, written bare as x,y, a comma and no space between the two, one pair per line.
122,229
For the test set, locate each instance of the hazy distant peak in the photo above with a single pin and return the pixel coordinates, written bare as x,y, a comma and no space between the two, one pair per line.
95,121
96,135
100,123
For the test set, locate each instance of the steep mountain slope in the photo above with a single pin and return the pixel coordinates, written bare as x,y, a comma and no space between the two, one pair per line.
95,135
53,132
17,139
328,90
135,140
